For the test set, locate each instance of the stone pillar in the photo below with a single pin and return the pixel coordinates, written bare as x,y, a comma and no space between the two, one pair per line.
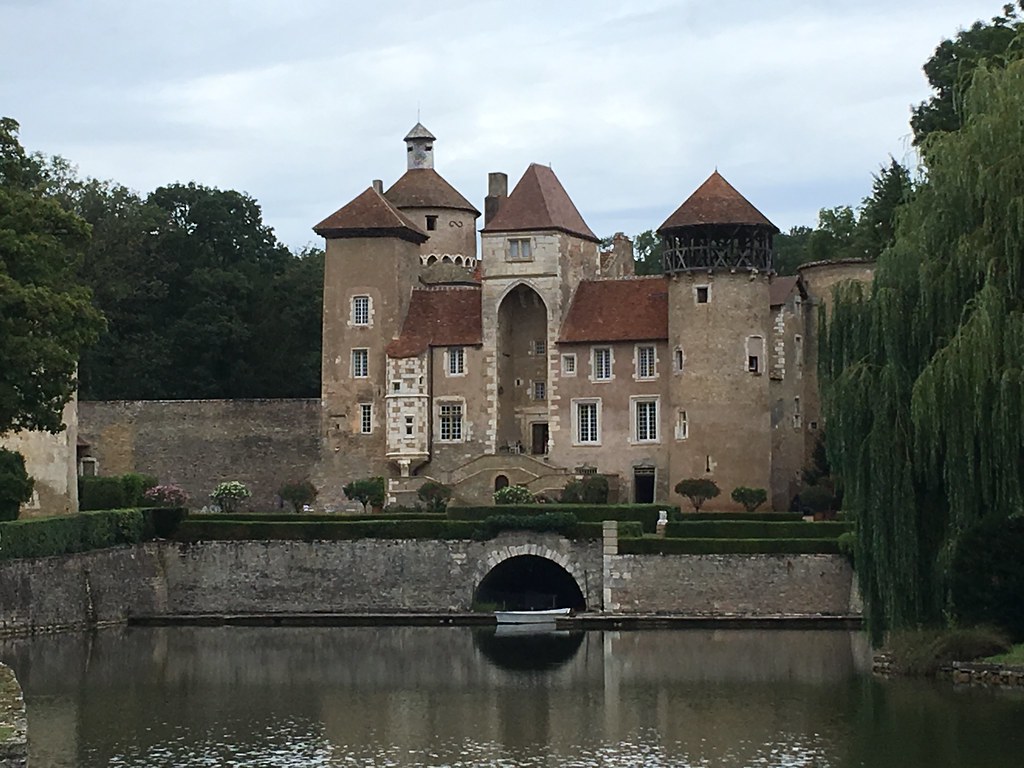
610,540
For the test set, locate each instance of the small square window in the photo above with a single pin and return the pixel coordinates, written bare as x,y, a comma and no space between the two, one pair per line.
410,426
539,390
396,386
431,223
360,363
568,365
703,294
538,346
519,249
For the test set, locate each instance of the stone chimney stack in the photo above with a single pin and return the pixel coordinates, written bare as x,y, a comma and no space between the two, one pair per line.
497,192
378,186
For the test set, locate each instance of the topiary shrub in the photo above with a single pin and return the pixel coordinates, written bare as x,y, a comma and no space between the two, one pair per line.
96,493
697,490
229,495
817,499
987,582
592,489
513,494
750,498
298,493
135,486
165,496
370,491
15,484
434,495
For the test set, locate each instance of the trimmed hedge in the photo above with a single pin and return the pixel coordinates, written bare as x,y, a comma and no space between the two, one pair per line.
312,517
46,536
645,514
655,545
748,529
763,517
113,492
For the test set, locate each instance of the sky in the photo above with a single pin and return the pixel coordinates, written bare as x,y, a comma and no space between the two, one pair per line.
302,104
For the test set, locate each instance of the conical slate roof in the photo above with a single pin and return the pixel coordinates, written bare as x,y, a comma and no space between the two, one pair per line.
419,132
370,215
716,201
539,202
425,188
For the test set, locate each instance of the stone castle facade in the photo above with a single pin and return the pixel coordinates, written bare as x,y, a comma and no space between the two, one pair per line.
544,357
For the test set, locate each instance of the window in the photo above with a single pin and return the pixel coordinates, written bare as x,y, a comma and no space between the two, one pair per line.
798,417
366,418
682,426
519,249
451,422
798,342
677,360
601,358
396,385
456,361
539,390
645,418
360,310
755,350
645,362
588,413
431,223
410,426
702,294
568,365
538,346
360,363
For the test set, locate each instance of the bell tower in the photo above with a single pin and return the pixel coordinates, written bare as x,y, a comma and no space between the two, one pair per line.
420,148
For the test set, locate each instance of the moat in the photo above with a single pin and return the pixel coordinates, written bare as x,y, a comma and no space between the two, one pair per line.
459,696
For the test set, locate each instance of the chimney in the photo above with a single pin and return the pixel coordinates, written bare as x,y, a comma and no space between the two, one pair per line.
497,192
378,186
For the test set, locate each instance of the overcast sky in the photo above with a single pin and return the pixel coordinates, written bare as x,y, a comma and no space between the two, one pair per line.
302,103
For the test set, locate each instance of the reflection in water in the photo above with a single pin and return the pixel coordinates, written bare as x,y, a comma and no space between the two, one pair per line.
415,696
527,647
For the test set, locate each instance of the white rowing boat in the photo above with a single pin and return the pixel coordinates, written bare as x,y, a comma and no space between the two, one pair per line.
531,617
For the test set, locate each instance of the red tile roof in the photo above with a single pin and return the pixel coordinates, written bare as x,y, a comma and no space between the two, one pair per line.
425,188
439,317
716,201
369,215
780,289
630,309
539,202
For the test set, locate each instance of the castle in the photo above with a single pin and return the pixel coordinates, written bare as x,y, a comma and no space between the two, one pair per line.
545,357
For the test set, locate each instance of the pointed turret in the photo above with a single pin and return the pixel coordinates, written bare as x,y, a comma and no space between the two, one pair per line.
420,147
539,202
717,228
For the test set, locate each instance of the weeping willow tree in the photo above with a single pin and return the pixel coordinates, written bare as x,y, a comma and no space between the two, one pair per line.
922,370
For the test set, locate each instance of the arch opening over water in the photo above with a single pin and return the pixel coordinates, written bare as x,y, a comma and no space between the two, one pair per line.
529,583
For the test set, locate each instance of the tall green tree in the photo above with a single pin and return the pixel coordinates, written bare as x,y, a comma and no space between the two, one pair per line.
923,382
46,319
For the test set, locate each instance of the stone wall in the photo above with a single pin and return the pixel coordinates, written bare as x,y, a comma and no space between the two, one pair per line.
197,444
13,739
51,461
749,585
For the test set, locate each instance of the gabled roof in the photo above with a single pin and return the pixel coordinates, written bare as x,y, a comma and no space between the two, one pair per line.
630,309
539,202
781,288
439,317
369,215
716,201
425,188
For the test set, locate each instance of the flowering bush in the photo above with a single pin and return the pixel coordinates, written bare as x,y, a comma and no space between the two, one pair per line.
228,494
166,496
513,494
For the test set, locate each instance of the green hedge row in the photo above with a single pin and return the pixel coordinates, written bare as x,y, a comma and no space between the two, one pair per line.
748,529
314,517
645,514
114,492
202,529
655,545
762,517
46,536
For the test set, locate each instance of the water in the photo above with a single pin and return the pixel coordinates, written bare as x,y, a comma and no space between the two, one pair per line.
458,697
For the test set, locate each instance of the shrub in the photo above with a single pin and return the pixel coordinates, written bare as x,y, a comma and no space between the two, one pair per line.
513,494
592,489
548,522
435,495
298,493
228,494
165,496
817,498
750,498
370,491
96,493
135,486
15,484
987,582
697,490
655,545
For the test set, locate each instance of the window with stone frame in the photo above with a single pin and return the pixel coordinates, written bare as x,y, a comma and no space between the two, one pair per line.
755,354
569,364
645,420
360,310
360,363
520,249
450,422
645,361
682,425
587,414
366,418
456,361
539,390
601,363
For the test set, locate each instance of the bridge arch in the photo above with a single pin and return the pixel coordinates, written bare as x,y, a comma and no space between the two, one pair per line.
530,577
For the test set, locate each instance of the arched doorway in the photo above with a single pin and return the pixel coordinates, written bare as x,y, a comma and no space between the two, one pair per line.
500,482
527,583
522,355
